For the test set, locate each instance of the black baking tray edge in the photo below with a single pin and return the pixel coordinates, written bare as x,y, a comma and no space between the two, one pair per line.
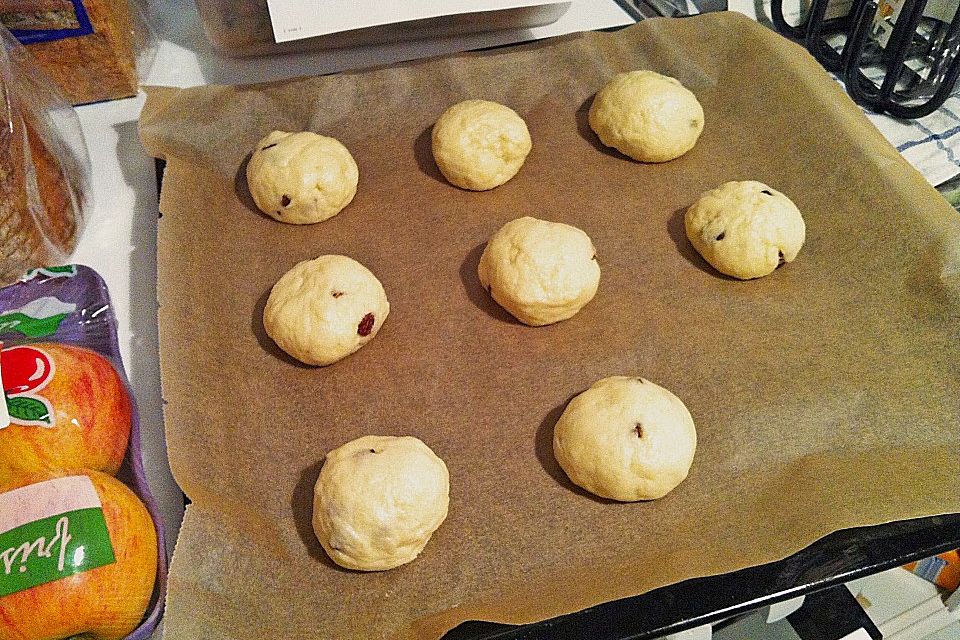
837,558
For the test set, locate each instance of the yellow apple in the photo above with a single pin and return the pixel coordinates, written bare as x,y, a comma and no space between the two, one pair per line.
104,603
69,411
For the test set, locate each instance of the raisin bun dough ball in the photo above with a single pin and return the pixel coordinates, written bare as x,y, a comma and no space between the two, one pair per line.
301,178
378,501
541,272
479,144
323,310
647,116
625,439
745,229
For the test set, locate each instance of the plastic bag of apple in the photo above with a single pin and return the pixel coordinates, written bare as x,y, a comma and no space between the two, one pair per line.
81,546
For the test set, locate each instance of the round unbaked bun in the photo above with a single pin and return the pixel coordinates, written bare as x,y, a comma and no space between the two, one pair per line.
325,309
626,439
647,116
301,178
745,229
541,272
378,500
479,145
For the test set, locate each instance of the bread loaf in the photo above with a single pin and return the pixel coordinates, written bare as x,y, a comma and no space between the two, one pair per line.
39,214
95,66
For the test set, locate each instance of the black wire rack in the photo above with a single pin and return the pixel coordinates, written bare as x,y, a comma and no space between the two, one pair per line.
894,56
901,57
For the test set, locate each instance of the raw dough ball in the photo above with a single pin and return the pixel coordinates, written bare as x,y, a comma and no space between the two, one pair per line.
325,309
378,500
647,116
479,145
626,439
301,178
745,229
541,272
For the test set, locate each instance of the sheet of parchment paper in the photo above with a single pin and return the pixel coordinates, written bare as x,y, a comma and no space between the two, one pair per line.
825,395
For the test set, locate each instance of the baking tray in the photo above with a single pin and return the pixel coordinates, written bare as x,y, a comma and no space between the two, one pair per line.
838,558
877,151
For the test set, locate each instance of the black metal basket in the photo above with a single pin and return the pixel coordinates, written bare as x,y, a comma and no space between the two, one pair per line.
895,56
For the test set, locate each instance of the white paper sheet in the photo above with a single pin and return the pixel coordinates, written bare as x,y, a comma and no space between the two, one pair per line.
297,19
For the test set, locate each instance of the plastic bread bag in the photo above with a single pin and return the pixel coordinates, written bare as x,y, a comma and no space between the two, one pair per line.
44,167
81,542
94,50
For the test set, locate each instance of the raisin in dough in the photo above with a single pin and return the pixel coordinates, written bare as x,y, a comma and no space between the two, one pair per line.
479,145
378,500
541,272
626,439
647,116
301,178
325,309
745,229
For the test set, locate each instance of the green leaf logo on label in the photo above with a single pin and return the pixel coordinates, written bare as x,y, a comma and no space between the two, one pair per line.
38,318
30,410
64,271
51,530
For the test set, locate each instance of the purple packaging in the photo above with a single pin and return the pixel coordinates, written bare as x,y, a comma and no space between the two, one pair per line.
70,305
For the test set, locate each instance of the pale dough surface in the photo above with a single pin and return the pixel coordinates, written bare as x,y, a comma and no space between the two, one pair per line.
323,310
745,229
647,116
378,500
626,439
479,144
301,178
541,272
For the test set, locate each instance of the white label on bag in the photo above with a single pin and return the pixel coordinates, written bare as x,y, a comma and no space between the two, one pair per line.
297,19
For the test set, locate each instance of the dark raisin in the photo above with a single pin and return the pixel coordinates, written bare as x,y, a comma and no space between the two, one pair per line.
782,259
723,234
336,294
366,325
594,257
285,200
639,430
373,450
767,192
269,146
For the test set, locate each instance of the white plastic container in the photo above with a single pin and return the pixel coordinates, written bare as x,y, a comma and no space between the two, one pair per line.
242,27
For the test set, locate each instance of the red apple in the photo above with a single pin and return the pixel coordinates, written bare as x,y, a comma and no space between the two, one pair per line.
69,411
104,603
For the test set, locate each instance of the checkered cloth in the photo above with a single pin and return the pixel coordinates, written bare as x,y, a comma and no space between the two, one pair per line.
931,144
